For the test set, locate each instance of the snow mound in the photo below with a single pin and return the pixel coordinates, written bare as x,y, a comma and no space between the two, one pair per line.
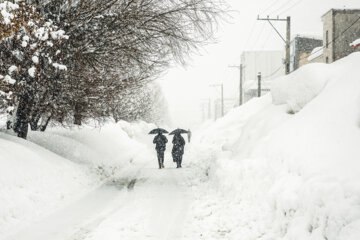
111,149
34,180
285,176
56,167
300,87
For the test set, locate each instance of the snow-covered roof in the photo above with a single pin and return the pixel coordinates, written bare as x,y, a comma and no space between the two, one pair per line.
316,52
355,43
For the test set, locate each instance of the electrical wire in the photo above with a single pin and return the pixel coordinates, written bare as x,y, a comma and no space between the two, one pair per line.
250,35
269,6
266,40
258,36
273,73
291,7
281,7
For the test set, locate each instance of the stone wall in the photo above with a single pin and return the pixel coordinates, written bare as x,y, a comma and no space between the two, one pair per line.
335,23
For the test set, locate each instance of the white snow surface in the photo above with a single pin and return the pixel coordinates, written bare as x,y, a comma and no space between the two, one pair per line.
286,176
283,166
32,71
355,43
35,59
59,66
316,52
9,79
12,69
6,9
57,167
300,87
33,180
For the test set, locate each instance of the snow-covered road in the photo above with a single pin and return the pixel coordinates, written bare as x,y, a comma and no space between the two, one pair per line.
152,206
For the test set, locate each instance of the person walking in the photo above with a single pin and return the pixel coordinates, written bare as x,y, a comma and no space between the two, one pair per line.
178,149
160,140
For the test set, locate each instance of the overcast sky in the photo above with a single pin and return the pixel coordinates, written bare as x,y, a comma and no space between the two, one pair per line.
186,88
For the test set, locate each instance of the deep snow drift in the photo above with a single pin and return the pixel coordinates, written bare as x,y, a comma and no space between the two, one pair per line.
286,166
57,167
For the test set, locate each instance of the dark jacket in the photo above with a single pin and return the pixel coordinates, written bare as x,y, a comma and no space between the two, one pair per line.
178,147
160,141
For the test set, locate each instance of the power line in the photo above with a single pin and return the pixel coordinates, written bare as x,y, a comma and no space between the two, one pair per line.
266,40
258,36
291,7
273,73
282,6
250,35
271,4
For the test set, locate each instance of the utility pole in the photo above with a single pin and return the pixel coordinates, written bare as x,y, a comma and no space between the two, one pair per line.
209,108
287,41
222,97
259,84
222,100
288,27
240,67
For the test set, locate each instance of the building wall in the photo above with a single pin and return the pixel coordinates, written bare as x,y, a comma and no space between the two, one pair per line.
328,30
301,49
342,21
335,23
266,62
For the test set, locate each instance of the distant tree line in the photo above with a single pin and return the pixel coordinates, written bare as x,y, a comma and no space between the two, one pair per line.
69,61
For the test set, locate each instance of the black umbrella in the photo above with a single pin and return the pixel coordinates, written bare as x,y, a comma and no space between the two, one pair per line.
158,130
178,131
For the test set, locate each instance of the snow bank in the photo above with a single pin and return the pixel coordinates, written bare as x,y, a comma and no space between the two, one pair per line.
285,176
60,165
110,149
34,180
300,87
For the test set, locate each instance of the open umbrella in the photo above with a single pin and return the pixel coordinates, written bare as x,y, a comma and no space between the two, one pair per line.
158,130
178,131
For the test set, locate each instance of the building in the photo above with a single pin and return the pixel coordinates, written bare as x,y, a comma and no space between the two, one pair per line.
269,63
301,48
341,28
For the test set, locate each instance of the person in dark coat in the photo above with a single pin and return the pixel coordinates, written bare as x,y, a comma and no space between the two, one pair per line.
178,149
160,140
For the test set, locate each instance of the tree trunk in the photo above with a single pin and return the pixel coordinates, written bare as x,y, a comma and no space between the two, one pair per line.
34,123
23,112
77,114
45,124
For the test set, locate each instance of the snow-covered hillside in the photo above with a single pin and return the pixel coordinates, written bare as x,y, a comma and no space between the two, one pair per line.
286,166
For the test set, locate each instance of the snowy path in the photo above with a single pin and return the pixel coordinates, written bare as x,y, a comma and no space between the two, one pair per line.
153,207
65,222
